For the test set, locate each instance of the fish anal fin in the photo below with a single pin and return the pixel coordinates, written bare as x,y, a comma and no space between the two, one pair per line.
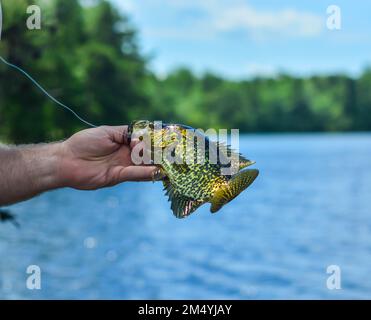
180,205
238,183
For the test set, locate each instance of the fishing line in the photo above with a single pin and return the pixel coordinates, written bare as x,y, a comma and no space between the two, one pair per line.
46,92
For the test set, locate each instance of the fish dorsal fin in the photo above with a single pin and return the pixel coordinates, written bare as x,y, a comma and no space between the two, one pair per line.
227,149
181,206
239,182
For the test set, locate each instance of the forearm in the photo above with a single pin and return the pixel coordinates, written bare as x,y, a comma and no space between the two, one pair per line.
28,171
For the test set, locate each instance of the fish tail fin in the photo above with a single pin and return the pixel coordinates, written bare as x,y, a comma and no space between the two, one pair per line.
238,183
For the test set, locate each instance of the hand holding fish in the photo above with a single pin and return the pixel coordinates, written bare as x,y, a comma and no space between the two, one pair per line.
91,159
100,157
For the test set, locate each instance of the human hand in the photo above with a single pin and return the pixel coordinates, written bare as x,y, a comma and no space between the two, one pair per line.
99,157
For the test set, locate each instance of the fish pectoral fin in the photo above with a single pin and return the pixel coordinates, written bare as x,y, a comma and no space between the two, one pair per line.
180,205
239,182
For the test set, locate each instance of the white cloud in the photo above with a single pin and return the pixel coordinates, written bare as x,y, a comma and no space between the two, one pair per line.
228,15
288,22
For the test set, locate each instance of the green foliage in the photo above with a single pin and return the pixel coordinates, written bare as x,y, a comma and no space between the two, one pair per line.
88,57
280,104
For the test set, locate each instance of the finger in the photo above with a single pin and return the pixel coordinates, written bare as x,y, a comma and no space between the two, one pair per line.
118,134
138,173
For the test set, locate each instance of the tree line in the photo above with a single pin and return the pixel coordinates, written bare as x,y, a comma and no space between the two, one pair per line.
88,56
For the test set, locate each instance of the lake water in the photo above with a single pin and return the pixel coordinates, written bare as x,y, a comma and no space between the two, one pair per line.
309,208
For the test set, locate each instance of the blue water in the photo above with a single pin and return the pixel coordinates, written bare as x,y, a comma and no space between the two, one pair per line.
309,208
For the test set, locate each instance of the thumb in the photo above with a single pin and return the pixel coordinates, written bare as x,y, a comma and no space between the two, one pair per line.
117,134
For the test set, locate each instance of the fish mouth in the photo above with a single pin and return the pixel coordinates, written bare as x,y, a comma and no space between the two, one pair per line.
138,124
129,133
134,126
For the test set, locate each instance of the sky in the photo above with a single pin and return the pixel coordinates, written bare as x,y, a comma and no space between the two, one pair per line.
246,38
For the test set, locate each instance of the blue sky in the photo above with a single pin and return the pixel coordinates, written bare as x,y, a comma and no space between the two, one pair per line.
244,38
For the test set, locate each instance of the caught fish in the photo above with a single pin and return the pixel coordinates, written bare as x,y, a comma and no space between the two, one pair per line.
191,183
